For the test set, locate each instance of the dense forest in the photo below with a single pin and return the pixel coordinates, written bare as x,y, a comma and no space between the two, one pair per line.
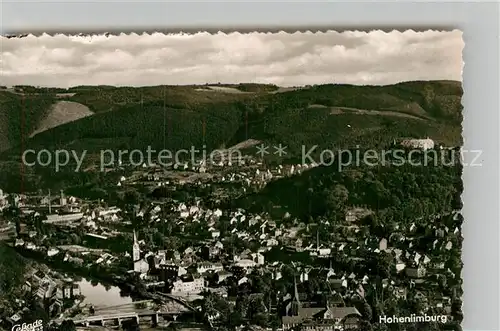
178,117
19,114
396,191
12,266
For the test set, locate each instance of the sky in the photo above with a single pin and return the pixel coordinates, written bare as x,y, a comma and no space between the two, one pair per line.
284,59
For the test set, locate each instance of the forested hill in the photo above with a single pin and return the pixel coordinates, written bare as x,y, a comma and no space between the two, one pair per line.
175,117
179,116
13,267
397,191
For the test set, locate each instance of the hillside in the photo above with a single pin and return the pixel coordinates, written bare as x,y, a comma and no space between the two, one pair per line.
396,192
19,115
13,267
109,98
175,117
60,113
343,116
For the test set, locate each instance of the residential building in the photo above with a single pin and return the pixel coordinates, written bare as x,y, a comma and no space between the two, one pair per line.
319,318
415,272
209,266
187,285
418,143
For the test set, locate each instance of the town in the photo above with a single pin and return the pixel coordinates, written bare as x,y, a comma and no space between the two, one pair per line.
184,254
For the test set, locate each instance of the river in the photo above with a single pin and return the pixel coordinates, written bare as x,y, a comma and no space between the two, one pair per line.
101,295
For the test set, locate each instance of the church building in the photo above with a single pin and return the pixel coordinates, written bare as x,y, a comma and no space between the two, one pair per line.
140,265
330,318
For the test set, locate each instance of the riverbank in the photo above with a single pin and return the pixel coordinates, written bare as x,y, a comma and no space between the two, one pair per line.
91,280
61,266
101,282
98,294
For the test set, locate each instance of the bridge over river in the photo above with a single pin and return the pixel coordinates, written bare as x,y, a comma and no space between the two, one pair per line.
170,308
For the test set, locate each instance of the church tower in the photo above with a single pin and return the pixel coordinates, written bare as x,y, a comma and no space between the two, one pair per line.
136,251
295,304
62,199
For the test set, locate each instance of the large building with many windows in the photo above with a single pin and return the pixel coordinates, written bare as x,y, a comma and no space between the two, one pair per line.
330,318
187,285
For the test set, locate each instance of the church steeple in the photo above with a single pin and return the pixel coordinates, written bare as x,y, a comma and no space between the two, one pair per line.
136,251
295,290
295,304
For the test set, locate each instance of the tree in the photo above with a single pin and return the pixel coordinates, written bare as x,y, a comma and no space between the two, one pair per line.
234,319
132,197
370,220
172,243
214,305
310,198
260,319
336,199
366,311
36,312
455,326
75,239
256,307
208,306
67,325
242,305
18,227
274,322
456,309
158,239
383,265
366,326
260,284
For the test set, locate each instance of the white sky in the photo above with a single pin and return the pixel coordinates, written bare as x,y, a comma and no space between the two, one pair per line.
280,58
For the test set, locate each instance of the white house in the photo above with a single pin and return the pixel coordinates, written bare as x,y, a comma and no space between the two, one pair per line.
246,263
52,252
382,244
208,266
242,280
324,251
141,266
63,218
218,213
195,286
258,258
75,290
222,275
418,143
67,292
